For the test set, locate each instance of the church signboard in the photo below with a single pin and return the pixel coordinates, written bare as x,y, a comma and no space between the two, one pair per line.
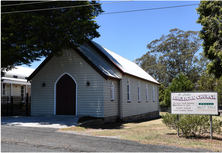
196,103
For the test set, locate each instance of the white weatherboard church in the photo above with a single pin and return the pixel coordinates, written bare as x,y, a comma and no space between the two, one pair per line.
93,81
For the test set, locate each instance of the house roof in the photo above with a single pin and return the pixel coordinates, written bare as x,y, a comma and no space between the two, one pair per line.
123,65
20,71
15,81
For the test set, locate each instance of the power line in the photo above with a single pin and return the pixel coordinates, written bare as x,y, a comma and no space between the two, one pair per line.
25,3
99,4
149,9
47,9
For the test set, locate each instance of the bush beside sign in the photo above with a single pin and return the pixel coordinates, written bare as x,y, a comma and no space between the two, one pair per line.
197,103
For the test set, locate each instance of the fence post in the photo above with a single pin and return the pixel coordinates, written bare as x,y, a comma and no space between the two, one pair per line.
7,100
27,104
30,104
11,105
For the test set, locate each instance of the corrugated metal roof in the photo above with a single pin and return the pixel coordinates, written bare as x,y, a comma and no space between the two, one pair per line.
14,79
20,71
126,65
97,62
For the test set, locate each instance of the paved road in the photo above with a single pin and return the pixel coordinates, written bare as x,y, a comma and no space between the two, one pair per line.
29,139
44,121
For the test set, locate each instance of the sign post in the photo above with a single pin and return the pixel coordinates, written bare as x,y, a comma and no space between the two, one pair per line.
211,127
194,103
178,127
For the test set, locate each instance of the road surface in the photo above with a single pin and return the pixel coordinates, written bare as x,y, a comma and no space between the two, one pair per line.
34,139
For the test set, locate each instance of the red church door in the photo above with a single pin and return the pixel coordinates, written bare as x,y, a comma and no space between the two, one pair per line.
66,96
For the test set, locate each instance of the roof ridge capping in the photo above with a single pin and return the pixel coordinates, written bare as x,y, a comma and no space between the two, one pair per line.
127,66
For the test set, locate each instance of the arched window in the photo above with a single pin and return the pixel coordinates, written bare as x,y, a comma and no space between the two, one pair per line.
138,88
112,91
146,93
128,90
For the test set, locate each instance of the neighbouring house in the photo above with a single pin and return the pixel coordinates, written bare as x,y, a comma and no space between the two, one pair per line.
14,83
94,81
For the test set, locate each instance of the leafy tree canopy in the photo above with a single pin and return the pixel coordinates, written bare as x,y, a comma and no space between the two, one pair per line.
27,37
208,82
211,19
179,84
172,54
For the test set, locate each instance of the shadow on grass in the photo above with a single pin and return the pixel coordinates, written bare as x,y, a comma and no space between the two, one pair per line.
98,123
204,137
171,133
198,137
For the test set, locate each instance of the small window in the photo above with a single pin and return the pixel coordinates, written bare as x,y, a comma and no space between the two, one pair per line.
138,88
15,76
112,91
153,93
128,91
146,93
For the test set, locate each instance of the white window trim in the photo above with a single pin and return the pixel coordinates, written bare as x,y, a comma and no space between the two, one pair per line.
128,93
153,93
147,98
112,91
138,88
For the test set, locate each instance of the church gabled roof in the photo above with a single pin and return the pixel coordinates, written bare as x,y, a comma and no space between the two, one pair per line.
123,65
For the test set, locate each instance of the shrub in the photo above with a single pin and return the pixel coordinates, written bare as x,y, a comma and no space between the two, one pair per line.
192,125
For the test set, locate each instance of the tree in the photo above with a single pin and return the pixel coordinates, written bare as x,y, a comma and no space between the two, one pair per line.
29,36
203,61
211,19
161,92
179,84
208,82
172,54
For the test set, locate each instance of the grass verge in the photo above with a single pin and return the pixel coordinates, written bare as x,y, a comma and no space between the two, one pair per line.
151,132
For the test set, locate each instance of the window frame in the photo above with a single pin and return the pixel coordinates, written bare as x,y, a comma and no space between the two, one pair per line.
128,91
147,97
112,91
153,93
138,92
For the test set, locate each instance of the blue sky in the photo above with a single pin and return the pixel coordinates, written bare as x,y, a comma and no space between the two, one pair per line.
127,34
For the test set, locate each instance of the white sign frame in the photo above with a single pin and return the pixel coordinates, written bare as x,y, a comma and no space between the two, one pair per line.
194,103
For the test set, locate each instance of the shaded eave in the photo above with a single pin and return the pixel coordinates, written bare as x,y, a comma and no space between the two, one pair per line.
142,79
106,57
83,56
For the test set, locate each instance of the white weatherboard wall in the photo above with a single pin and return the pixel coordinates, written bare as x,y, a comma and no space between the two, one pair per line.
111,107
134,107
89,98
